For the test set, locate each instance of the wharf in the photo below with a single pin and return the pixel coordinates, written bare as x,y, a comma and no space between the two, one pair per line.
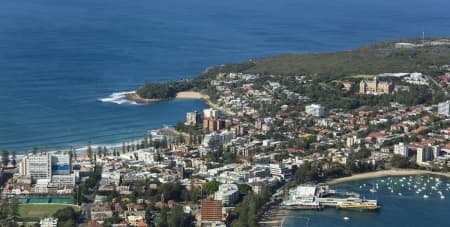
319,197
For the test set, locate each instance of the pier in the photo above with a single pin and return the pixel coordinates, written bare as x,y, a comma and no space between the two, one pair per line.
318,197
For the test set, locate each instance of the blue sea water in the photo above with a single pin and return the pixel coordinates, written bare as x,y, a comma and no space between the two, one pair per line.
58,58
410,209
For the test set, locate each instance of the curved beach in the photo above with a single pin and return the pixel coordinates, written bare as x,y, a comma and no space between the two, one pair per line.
191,95
383,173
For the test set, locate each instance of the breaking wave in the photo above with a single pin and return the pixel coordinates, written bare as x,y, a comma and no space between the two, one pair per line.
118,98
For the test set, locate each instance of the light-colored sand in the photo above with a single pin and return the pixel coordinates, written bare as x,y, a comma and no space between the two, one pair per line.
191,95
383,173
199,95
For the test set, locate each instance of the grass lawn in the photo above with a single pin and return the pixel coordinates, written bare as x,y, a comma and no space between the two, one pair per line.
37,211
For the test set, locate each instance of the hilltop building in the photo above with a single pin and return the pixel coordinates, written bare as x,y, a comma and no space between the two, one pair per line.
375,87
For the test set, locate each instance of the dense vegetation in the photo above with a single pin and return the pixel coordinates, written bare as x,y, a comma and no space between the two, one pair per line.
66,217
376,58
249,208
164,90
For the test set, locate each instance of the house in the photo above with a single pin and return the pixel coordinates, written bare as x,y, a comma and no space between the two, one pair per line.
100,212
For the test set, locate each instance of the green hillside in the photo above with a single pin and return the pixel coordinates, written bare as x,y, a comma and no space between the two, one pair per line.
372,59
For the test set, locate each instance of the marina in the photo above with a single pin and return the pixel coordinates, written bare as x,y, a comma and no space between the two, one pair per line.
421,186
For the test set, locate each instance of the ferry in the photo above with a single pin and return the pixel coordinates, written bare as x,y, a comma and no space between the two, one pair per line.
361,206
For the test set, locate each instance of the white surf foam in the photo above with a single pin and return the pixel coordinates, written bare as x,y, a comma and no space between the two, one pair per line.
119,98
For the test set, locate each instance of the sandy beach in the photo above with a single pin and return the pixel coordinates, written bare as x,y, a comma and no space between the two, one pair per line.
199,95
383,173
191,95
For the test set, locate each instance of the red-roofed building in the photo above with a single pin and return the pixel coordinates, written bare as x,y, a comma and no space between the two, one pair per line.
141,224
211,210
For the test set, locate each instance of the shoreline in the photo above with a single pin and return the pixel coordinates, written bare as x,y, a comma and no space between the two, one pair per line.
138,99
181,95
384,173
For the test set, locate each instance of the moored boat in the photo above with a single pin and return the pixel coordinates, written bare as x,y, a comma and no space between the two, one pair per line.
360,206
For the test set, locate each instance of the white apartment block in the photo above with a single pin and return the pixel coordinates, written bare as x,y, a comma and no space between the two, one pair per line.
424,154
315,110
227,193
444,108
207,113
353,140
63,180
37,166
401,149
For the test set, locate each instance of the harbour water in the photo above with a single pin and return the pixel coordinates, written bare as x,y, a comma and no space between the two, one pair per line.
59,58
402,204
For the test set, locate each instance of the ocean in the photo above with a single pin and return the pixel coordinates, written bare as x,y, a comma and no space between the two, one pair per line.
409,208
65,64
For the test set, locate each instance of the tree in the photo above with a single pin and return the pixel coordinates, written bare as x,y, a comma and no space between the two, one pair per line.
5,157
14,161
70,152
211,187
74,153
306,173
89,151
105,151
66,217
99,151
13,209
399,161
171,190
34,150
176,217
445,167
162,219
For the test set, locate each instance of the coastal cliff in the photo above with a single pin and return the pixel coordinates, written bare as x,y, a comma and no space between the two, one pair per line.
135,97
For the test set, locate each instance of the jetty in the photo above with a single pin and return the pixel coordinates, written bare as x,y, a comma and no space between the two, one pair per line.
317,197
